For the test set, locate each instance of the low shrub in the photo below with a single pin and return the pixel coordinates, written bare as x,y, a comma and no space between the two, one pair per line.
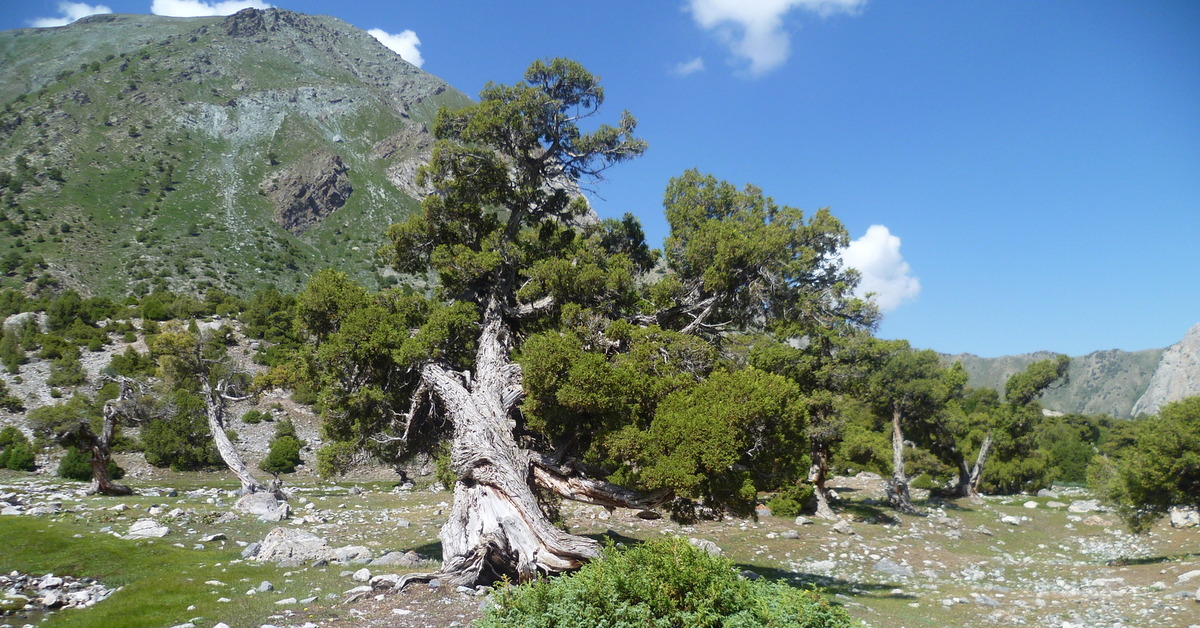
77,465
792,500
16,452
665,582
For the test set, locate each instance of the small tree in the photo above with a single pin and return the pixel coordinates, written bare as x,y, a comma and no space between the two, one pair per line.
1159,467
16,452
284,454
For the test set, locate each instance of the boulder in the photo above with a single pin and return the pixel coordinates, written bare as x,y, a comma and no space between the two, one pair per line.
891,568
708,546
265,505
402,559
1085,505
147,529
285,544
843,527
352,554
1184,517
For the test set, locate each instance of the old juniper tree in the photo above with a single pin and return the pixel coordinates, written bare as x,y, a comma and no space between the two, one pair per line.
553,358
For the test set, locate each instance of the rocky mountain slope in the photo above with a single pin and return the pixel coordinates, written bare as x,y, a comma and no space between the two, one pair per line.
139,151
1118,383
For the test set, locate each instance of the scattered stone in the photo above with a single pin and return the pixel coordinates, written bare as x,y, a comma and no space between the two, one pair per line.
265,586
891,568
1045,492
649,515
251,550
1054,504
212,537
801,520
1097,520
789,534
1010,520
146,529
285,601
362,575
1030,504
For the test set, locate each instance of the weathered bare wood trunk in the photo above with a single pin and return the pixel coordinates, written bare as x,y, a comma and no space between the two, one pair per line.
985,450
214,406
897,487
817,474
496,527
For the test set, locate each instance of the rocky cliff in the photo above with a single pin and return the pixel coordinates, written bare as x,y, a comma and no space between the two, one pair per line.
1177,375
1118,383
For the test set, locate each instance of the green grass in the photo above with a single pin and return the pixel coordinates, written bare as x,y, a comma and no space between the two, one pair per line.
159,581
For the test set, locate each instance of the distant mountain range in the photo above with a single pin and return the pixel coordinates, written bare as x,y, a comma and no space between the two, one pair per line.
139,151
1118,383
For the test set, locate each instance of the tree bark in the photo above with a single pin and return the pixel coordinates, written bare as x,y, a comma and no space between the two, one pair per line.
101,450
214,406
897,487
817,474
985,450
496,527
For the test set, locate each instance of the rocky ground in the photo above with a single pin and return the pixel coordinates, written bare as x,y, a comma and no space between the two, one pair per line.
1052,560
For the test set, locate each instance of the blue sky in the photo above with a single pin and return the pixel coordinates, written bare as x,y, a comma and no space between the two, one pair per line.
1018,175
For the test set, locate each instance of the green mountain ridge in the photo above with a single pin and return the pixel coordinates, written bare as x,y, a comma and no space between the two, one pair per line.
141,152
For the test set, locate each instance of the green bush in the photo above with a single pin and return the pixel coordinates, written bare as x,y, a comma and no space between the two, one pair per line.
284,455
792,500
255,416
664,582
15,451
77,465
181,441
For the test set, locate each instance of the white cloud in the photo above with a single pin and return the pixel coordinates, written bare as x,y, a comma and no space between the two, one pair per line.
404,44
69,12
689,67
884,272
200,8
753,29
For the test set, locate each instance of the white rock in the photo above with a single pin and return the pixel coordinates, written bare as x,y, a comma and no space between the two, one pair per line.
362,575
147,529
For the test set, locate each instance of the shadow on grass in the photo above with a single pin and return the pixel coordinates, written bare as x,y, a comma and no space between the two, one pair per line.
1152,560
833,586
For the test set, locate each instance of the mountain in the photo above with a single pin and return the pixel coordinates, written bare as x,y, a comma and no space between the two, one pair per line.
1118,383
140,152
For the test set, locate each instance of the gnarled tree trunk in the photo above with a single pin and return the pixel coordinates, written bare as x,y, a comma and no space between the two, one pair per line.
496,527
817,474
101,450
897,487
969,478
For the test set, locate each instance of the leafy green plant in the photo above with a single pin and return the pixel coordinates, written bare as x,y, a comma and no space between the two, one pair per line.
255,416
792,500
16,452
664,582
77,465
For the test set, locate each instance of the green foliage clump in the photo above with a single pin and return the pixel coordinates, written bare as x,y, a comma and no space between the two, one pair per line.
131,364
792,500
284,455
725,439
665,582
77,465
16,452
1157,468
255,416
9,401
181,439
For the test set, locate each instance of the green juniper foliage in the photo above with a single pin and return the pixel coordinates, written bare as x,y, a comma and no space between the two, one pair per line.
664,583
